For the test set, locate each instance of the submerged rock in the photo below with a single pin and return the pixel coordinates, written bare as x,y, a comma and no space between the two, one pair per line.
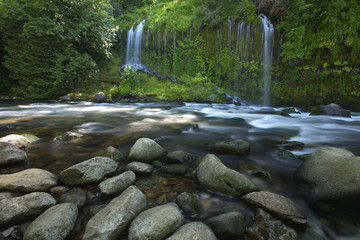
188,202
214,175
54,224
16,140
146,150
76,196
89,171
174,169
331,109
156,223
113,153
180,157
11,154
68,136
193,231
139,167
292,145
59,190
30,180
31,138
238,147
118,183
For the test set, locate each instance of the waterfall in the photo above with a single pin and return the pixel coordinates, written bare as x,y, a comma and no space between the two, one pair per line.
268,37
133,47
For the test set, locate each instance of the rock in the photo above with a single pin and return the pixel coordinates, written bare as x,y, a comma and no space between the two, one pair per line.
54,224
180,157
8,195
16,140
188,202
285,154
304,156
146,150
68,136
11,154
331,109
292,145
267,227
280,206
193,231
290,110
31,138
18,209
330,178
238,147
59,190
156,223
99,97
89,171
111,221
65,98
139,167
231,225
95,209
174,169
76,196
152,193
113,153
215,176
118,183
30,180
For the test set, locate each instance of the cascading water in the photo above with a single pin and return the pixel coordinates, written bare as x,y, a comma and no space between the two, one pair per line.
133,48
268,37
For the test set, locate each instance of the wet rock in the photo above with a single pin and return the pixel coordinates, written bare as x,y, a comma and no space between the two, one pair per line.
156,223
280,206
331,109
111,221
261,173
174,169
304,156
188,202
118,183
330,178
238,147
285,154
30,180
54,224
152,193
193,231
290,110
231,225
76,196
214,175
89,171
267,227
139,167
146,150
95,209
180,157
113,153
11,154
16,140
8,195
59,190
65,98
18,209
292,145
68,136
99,97
157,163
31,138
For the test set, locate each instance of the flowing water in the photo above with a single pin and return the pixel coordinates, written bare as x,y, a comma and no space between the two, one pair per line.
171,125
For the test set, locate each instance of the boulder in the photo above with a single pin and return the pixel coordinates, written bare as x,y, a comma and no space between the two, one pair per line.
139,167
267,227
331,109
330,178
113,153
18,209
215,176
89,171
146,150
68,136
8,195
118,183
188,202
76,196
112,220
29,180
16,140
156,223
11,154
280,206
99,97
231,225
238,147
54,224
193,231
180,157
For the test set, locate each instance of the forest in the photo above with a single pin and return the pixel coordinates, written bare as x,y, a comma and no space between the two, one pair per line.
52,48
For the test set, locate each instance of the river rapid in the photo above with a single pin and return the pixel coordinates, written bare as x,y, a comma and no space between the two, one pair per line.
172,126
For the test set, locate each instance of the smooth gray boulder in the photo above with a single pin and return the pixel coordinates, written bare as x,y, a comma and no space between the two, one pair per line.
118,183
215,176
237,147
54,224
231,225
331,109
15,140
280,206
188,202
11,154
76,196
8,195
99,97
156,223
112,220
193,231
139,167
29,180
15,210
88,172
146,150
180,157
330,178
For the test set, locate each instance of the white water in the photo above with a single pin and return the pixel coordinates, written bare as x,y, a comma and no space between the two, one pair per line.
133,47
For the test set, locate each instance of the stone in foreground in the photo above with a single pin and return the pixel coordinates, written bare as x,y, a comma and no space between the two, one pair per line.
30,180
54,224
112,220
193,231
88,172
139,167
238,147
188,202
76,196
146,150
16,140
156,223
180,157
11,154
215,176
118,183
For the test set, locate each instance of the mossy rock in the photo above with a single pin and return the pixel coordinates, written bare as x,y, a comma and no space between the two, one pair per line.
174,169
68,136
284,154
31,138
